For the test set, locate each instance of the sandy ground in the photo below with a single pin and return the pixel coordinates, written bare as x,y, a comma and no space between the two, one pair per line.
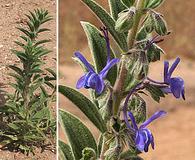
11,16
174,134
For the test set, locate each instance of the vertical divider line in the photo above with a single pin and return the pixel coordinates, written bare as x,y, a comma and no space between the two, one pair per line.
57,73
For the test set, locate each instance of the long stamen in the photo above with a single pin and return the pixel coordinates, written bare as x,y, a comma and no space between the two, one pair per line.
126,104
153,40
105,33
153,81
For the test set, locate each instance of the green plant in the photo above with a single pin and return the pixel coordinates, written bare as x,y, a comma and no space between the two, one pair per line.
116,85
27,114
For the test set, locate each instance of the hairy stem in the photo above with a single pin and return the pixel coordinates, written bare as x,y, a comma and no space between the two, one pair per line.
104,149
119,85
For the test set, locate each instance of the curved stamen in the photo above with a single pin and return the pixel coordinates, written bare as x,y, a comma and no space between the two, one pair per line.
105,33
126,104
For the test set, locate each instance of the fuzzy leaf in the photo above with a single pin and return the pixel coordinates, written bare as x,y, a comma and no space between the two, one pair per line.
108,21
128,3
155,92
115,8
137,106
42,114
153,3
98,49
154,53
77,133
100,142
65,152
129,155
85,105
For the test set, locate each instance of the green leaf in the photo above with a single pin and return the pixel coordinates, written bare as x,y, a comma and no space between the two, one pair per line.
115,8
42,114
137,106
65,152
16,69
109,22
154,52
135,71
129,155
85,105
97,45
100,142
52,72
128,3
42,42
77,133
153,3
155,92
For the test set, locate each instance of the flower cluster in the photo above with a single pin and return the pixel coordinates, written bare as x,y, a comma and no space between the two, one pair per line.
142,136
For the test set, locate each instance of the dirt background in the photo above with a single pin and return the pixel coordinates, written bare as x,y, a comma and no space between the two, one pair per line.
175,133
12,16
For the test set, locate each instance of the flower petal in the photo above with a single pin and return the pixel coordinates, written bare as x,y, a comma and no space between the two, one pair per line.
152,118
100,85
174,65
91,81
166,90
108,66
166,68
85,62
150,140
133,120
183,94
81,82
141,140
177,86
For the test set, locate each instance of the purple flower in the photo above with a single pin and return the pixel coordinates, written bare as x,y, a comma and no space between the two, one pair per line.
143,136
176,84
92,79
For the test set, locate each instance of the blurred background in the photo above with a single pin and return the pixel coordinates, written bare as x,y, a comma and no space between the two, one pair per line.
174,134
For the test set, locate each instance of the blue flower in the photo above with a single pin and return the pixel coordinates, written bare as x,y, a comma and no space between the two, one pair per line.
92,79
176,84
143,136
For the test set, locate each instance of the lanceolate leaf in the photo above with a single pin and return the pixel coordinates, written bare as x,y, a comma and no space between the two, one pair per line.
154,53
108,21
115,8
153,3
100,143
77,133
98,49
85,105
65,152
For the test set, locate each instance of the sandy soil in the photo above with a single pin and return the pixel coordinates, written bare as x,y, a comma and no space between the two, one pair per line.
11,16
175,133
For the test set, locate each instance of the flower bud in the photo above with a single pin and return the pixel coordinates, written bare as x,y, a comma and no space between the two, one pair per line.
125,20
128,3
160,25
153,3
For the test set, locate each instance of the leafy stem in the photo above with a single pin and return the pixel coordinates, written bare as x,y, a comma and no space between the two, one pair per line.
118,88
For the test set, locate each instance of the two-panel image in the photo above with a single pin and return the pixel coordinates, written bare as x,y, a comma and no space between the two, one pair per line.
97,80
